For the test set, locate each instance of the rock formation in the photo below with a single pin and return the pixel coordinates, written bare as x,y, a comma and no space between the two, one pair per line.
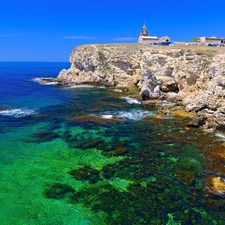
194,78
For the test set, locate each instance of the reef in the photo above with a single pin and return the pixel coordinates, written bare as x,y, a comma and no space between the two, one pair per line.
57,191
156,170
86,173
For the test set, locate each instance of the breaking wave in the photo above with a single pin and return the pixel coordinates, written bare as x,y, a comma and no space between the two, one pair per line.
107,116
83,86
40,81
131,100
134,114
79,86
18,113
130,115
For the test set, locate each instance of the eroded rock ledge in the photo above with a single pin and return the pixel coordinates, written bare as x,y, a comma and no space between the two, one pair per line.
194,78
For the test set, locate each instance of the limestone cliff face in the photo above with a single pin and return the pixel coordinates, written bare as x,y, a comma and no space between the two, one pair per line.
194,78
104,65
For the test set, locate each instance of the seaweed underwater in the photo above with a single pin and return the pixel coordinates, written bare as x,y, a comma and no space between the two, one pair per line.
92,157
157,175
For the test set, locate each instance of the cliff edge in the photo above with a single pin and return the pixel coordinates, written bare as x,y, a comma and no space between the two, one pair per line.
192,77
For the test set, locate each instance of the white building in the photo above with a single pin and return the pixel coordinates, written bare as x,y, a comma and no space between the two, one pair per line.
144,37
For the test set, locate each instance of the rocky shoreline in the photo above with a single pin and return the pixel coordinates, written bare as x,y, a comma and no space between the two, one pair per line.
192,78
180,82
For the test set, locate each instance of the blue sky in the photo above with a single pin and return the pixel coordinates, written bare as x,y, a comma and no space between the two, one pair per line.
47,30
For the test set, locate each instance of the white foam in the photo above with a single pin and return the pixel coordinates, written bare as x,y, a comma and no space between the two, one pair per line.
117,90
220,136
51,83
18,113
131,100
37,80
130,115
79,86
40,81
83,86
107,116
134,114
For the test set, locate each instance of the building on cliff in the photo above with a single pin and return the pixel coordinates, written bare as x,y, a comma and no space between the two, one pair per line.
145,38
212,40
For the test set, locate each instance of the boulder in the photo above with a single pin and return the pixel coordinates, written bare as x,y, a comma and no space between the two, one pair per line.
220,129
214,185
145,95
197,122
171,96
157,93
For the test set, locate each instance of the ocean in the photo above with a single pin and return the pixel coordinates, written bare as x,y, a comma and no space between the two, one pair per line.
81,155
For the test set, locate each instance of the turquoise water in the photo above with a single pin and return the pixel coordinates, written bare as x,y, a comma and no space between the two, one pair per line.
89,155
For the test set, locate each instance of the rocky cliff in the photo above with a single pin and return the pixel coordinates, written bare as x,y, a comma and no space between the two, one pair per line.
194,78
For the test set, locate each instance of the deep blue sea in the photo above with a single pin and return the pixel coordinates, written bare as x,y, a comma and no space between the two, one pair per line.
81,155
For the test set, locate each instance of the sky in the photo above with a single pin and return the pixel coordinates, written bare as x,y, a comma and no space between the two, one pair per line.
47,30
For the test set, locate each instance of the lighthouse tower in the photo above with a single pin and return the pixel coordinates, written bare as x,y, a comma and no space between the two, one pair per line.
144,31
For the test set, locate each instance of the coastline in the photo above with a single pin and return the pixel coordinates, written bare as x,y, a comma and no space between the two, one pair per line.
178,82
192,77
97,151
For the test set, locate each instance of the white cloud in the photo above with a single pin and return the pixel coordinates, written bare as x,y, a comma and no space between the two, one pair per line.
79,37
125,39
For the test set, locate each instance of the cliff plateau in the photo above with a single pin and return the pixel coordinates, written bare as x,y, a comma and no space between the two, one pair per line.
192,77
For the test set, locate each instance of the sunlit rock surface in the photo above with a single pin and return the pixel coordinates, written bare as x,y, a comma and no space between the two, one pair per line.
194,78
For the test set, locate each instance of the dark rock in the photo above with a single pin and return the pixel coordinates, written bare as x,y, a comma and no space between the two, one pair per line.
220,129
2,109
145,95
197,122
217,204
44,136
187,177
121,151
149,104
63,82
58,191
48,80
86,173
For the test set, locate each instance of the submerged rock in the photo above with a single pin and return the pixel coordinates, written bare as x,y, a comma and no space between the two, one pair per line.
104,119
44,136
58,191
48,80
187,177
86,173
215,185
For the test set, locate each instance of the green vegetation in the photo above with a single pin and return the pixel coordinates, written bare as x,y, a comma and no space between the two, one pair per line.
196,39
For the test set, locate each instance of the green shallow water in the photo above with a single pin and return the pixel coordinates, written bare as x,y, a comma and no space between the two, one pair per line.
68,165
